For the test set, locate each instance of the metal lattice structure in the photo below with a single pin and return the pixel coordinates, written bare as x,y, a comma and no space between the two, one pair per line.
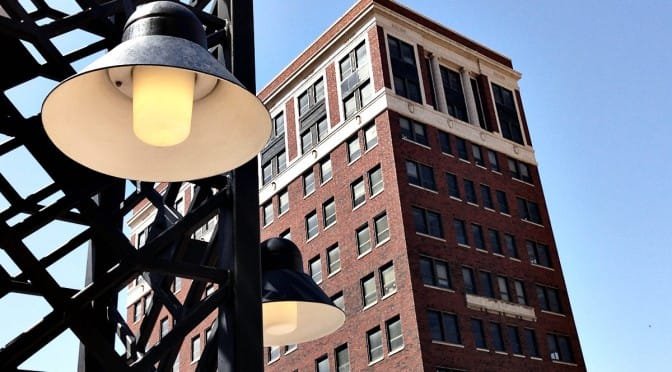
98,204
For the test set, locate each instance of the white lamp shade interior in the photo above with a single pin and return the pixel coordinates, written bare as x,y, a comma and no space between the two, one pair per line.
313,320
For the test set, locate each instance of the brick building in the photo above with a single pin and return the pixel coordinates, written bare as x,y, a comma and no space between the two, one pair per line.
402,166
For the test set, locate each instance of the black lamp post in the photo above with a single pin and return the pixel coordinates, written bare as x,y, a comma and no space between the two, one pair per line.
159,107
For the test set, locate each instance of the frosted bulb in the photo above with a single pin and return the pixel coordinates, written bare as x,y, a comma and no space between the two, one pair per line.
281,318
163,99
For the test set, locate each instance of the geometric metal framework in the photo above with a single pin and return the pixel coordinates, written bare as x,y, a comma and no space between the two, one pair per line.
99,203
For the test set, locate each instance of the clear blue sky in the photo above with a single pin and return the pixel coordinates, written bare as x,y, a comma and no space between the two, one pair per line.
595,82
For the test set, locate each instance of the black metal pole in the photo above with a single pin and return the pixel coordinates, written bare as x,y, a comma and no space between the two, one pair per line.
240,337
101,257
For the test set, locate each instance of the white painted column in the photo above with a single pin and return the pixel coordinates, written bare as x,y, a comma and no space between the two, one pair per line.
440,95
472,112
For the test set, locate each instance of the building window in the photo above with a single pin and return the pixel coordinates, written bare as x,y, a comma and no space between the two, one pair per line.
334,259
469,281
452,87
313,134
477,236
363,240
176,284
460,232
510,244
470,191
388,282
478,333
374,344
287,234
519,170
308,183
311,97
273,167
514,340
354,150
315,267
148,304
496,336
420,175
209,332
268,213
521,298
506,112
290,348
503,285
342,358
528,210
444,142
273,353
325,170
404,70
322,364
462,148
395,338
370,137
479,104
485,281
502,201
311,225
356,86
196,348
493,160
538,253
329,212
549,299
427,222
137,311
358,193
164,328
444,327
338,300
382,228
279,124
413,131
559,348
376,180
435,272
369,292
486,197
495,243
531,343
453,188
477,153
142,237
283,202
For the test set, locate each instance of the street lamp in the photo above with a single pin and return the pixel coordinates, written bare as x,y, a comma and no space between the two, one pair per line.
159,106
294,308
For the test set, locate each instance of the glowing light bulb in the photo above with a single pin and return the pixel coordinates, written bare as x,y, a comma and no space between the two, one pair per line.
163,99
280,318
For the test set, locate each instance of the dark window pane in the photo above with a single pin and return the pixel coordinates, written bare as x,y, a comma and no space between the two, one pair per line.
496,335
479,336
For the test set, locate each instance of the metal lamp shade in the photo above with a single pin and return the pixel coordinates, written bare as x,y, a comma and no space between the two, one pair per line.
90,119
316,314
284,284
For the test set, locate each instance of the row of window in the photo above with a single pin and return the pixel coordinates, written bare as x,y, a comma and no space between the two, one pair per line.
374,343
430,223
374,176
456,146
357,92
436,273
407,84
362,236
445,327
